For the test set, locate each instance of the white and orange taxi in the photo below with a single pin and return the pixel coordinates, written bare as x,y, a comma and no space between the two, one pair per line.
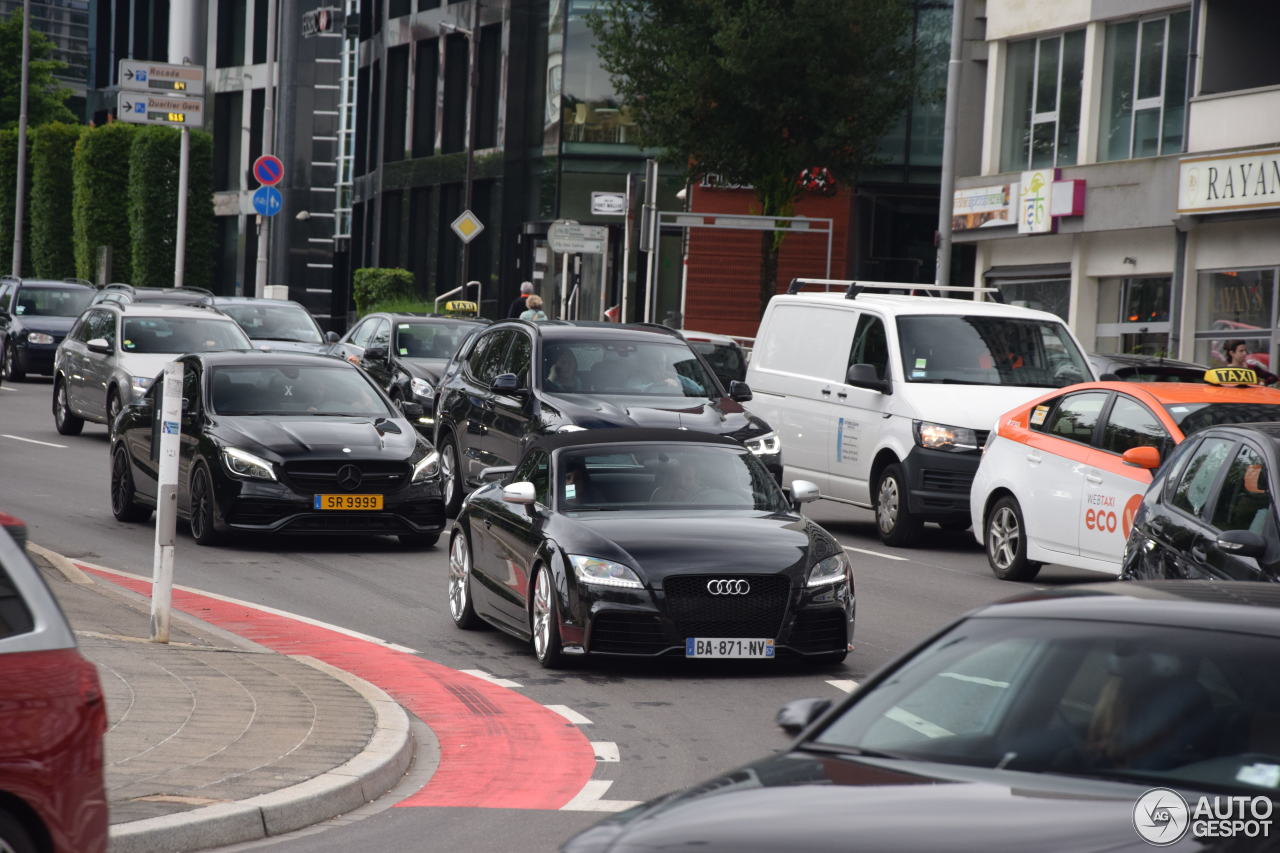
1062,476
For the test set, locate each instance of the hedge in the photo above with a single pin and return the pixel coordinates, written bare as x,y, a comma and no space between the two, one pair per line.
380,284
49,202
99,218
153,208
8,183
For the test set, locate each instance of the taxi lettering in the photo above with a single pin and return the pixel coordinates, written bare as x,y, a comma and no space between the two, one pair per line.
1101,520
1231,376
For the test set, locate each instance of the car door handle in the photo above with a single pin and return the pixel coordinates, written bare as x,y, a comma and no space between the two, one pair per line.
1198,551
826,392
1034,458
842,395
1093,478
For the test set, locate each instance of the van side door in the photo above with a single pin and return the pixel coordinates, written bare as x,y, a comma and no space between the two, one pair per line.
859,413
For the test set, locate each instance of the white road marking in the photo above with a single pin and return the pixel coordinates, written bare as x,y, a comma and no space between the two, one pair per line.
919,724
589,799
606,750
877,554
7,388
842,684
989,682
569,714
31,440
492,679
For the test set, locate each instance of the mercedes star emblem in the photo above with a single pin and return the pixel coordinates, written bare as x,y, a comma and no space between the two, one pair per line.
349,477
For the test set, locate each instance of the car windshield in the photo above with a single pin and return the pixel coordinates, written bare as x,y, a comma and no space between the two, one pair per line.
1151,704
275,322
34,301
429,340
1192,417
665,477
624,368
181,334
286,389
984,350
725,359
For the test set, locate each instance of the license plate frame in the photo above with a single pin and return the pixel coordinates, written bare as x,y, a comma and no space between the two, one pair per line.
347,503
729,648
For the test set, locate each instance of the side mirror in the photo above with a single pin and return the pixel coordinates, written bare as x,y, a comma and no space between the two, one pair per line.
519,493
739,392
101,345
864,376
803,492
505,383
795,716
1142,457
331,337
411,410
375,354
1241,543
495,473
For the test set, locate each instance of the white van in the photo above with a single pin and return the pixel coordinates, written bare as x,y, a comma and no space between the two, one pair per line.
885,399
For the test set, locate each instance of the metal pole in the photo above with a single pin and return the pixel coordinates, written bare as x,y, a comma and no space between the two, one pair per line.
651,267
268,142
604,278
628,224
473,85
180,246
20,196
167,503
563,308
946,197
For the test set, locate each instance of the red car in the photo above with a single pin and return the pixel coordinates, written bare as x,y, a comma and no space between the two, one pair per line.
52,721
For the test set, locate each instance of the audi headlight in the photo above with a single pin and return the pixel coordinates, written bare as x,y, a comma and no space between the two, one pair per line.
941,437
142,383
244,464
426,468
39,338
570,428
593,570
764,445
421,388
831,570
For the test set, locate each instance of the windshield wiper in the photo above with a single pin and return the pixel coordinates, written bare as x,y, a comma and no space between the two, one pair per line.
856,751
290,340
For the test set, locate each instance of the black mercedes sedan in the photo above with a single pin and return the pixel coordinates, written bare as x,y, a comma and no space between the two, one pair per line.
649,542
282,443
1110,718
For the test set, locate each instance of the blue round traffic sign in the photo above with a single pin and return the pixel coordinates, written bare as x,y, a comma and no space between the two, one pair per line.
267,201
268,170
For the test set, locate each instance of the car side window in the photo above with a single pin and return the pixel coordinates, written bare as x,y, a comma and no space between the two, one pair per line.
381,336
1038,419
1244,502
1076,416
535,469
1201,472
475,359
6,291
518,357
1130,425
191,387
494,357
870,346
360,334
15,616
103,325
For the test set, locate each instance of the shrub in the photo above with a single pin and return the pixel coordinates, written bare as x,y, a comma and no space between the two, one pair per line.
101,190
381,284
153,207
401,305
49,202
8,183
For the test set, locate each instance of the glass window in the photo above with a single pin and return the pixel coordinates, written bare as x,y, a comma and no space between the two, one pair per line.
338,391
625,368
490,362
1144,97
1076,416
381,336
1244,502
870,346
1192,490
1050,294
1130,425
6,291
1193,417
190,387
1235,305
476,358
103,325
518,358
274,322
52,301
429,340
360,334
1043,79
959,349
15,616
181,334
534,470
1133,315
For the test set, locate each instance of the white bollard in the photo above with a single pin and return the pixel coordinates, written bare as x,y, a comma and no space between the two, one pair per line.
166,501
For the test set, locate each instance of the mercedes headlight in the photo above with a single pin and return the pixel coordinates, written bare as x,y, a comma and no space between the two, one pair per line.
426,468
764,445
39,338
244,464
593,570
421,388
831,570
941,437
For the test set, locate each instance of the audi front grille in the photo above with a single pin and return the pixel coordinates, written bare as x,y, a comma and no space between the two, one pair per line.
697,612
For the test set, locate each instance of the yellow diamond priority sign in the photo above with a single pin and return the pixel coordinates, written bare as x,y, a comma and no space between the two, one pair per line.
467,226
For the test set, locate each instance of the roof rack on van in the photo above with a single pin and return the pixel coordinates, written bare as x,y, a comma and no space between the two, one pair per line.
853,288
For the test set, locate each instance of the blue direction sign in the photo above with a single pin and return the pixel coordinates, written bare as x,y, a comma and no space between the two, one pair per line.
268,170
267,201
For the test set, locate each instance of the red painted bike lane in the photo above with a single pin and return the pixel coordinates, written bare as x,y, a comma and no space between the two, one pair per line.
498,748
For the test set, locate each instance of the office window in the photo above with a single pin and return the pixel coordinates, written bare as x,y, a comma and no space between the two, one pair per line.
396,111
1133,315
456,63
1144,88
427,63
399,8
1237,305
1042,102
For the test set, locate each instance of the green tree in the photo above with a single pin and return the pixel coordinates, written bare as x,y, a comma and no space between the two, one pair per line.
101,177
49,202
46,101
756,91
153,207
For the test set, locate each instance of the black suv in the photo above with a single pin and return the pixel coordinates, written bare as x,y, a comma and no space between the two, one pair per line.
518,380
35,316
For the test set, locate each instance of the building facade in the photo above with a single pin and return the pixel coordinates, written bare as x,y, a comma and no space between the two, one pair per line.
67,23
1129,177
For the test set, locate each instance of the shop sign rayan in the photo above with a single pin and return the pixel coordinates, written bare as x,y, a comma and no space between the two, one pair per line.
1247,180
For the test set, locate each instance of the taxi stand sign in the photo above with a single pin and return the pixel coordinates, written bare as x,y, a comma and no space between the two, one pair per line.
1231,376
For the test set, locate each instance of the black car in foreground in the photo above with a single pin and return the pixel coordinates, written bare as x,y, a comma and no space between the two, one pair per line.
283,442
1075,720
1210,512
35,315
646,543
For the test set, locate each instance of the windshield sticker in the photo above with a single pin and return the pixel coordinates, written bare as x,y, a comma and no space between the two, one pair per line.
21,309
128,344
405,326
570,491
1038,415
917,374
1179,409
404,350
1262,775
922,363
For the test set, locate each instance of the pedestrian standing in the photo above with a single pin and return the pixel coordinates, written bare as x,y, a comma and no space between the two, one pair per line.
519,304
534,310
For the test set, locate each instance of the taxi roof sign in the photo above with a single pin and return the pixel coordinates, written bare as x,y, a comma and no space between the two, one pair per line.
1230,376
461,306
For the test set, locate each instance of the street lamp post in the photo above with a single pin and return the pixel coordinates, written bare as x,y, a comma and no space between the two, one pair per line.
20,196
473,82
268,142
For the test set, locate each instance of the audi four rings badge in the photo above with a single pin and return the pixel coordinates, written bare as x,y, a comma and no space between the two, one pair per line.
728,587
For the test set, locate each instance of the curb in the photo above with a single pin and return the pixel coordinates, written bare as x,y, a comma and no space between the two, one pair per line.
69,569
364,778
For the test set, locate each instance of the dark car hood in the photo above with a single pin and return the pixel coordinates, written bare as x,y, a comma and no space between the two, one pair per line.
429,369
796,801
56,326
695,542
291,346
296,437
722,416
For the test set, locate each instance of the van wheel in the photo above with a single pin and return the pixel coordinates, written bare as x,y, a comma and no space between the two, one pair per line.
894,521
14,837
1006,540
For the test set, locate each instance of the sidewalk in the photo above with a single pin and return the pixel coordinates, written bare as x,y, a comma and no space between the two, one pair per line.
214,740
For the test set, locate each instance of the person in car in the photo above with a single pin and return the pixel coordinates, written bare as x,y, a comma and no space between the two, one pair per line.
1238,355
563,375
677,484
579,490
